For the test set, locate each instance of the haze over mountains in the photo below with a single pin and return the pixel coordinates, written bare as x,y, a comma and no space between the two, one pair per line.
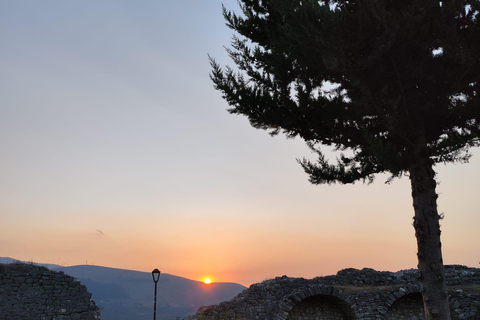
127,294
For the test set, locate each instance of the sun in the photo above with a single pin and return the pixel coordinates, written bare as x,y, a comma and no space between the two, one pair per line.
207,281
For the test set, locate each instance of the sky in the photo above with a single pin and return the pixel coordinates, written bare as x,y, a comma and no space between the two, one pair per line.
117,151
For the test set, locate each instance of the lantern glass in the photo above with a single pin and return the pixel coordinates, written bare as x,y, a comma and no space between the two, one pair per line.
156,275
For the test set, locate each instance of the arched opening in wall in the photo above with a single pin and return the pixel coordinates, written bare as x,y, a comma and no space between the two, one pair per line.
409,306
321,307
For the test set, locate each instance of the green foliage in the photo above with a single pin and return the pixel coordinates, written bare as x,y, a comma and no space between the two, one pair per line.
390,81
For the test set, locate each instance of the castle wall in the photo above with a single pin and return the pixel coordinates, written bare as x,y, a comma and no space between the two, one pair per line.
321,307
351,294
407,307
32,292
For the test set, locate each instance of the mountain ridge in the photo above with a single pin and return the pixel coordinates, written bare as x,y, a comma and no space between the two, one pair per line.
124,294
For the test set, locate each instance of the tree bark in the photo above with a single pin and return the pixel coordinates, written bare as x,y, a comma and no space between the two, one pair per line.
427,231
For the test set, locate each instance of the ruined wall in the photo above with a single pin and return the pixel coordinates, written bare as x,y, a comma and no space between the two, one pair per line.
321,307
407,307
351,294
28,291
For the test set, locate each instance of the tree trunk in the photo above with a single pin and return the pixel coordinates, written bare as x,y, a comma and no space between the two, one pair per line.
427,231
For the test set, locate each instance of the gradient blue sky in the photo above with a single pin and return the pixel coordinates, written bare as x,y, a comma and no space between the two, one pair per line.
117,151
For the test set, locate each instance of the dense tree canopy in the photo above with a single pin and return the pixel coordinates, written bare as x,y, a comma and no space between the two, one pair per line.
372,76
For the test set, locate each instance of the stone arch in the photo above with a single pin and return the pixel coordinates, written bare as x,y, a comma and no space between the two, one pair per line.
316,298
405,303
412,292
409,306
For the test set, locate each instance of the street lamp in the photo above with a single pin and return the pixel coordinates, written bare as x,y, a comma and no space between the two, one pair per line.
156,276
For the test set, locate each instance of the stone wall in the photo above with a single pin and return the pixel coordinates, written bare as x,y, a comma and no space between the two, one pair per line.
351,294
28,291
321,307
407,307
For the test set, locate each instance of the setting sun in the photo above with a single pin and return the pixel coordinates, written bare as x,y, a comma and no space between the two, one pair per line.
207,281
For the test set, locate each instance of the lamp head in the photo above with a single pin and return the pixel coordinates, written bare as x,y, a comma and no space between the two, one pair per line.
156,275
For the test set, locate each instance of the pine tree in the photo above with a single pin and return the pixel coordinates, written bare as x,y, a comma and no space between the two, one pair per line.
392,84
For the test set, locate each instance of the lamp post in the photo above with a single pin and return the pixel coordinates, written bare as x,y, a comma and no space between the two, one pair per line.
156,276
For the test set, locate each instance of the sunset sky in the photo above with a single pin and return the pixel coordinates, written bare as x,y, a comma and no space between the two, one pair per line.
117,151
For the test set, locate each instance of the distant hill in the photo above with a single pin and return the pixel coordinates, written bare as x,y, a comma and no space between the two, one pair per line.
126,294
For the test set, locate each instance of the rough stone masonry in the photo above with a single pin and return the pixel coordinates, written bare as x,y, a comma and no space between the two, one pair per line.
28,291
350,295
